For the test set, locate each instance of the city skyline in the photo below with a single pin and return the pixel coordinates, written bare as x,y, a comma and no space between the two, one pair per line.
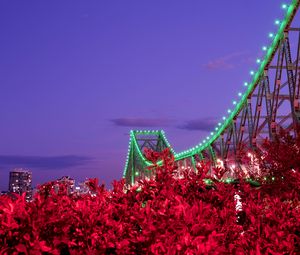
75,78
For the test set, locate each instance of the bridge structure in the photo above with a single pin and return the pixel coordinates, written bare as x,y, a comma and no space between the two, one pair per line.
270,102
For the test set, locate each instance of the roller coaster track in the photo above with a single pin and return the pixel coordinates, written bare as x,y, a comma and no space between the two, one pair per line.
270,102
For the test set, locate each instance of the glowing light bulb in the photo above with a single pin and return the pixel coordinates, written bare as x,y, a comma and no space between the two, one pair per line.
216,128
271,35
224,118
258,61
245,84
234,102
277,22
211,133
251,72
219,124
284,6
240,94
229,111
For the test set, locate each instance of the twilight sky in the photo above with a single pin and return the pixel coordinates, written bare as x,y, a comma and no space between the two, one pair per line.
76,76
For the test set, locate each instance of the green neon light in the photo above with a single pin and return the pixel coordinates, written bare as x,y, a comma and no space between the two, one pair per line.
270,51
133,146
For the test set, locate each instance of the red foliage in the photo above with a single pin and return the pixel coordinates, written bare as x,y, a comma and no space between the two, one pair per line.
165,215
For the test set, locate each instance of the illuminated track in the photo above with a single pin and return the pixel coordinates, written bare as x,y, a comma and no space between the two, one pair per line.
270,102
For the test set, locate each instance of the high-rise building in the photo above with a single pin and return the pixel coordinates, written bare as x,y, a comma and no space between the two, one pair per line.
20,181
68,181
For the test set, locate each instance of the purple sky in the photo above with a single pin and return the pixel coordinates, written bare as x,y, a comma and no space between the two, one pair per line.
76,76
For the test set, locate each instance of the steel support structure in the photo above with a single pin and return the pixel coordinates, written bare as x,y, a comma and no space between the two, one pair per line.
271,102
136,165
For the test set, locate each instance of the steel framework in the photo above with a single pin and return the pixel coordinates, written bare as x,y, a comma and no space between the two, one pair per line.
271,102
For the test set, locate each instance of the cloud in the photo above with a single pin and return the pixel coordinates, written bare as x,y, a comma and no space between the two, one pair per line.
225,62
140,122
42,162
206,124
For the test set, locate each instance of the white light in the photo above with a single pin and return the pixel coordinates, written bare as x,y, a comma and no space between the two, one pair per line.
245,84
220,163
258,61
229,111
238,203
234,102
277,22
224,118
264,48
251,72
271,35
240,94
284,6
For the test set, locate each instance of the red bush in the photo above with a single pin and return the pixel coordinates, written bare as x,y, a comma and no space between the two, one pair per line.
194,214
